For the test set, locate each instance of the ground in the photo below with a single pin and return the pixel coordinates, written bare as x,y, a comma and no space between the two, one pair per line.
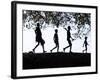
55,60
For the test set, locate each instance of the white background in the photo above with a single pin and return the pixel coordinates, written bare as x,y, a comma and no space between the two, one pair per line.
5,40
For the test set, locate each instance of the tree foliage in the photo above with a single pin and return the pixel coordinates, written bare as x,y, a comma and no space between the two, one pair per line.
58,19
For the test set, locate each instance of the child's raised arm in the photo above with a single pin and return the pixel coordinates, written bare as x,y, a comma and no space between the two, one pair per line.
65,29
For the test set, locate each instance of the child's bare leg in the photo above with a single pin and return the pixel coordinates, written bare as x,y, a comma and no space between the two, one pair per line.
65,48
36,47
53,48
58,48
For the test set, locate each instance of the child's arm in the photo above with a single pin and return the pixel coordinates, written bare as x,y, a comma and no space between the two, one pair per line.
87,44
35,30
65,29
72,38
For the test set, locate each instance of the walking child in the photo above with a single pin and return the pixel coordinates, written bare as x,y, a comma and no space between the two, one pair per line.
39,38
68,39
56,41
85,43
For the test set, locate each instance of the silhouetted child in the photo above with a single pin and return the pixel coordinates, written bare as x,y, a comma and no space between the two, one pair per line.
39,38
68,39
85,43
56,41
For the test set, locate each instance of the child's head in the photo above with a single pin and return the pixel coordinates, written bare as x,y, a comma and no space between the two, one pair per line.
85,38
38,24
69,28
56,30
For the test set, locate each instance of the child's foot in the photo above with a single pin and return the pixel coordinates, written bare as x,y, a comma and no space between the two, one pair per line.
64,49
44,51
51,51
83,51
71,52
33,51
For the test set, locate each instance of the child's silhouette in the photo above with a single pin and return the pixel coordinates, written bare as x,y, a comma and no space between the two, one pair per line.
68,39
39,38
85,43
56,41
